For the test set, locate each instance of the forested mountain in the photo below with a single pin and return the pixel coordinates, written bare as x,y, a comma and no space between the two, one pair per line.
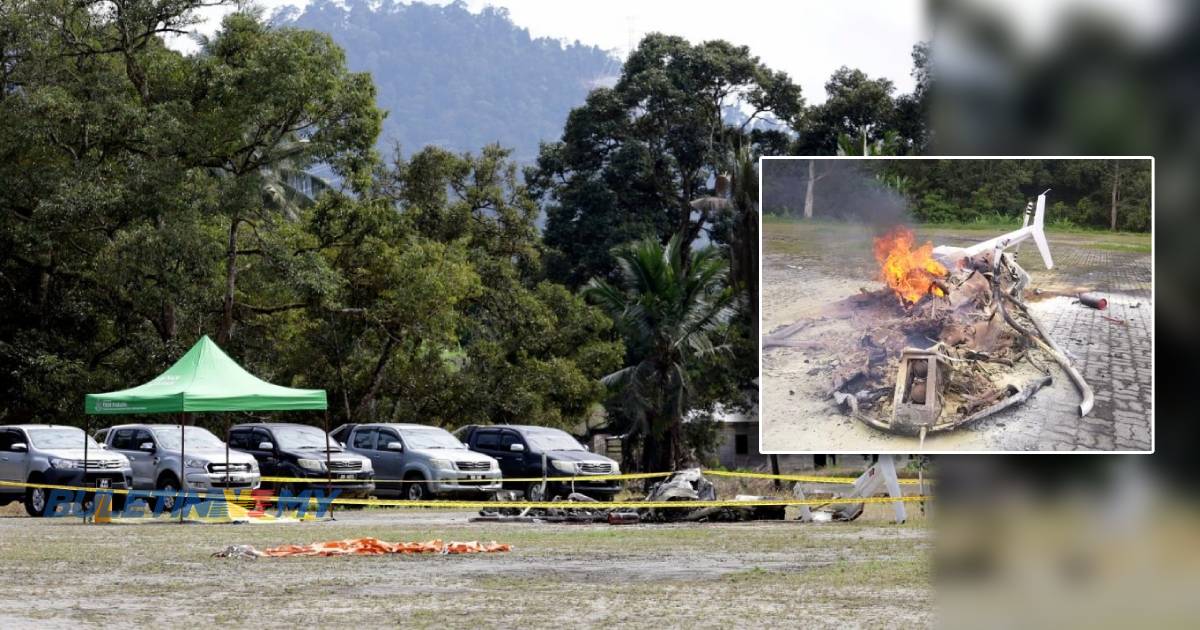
456,79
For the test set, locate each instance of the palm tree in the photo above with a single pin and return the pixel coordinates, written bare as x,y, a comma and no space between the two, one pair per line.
286,186
671,309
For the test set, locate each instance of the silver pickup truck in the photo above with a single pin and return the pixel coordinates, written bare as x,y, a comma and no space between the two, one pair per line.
427,460
53,455
154,453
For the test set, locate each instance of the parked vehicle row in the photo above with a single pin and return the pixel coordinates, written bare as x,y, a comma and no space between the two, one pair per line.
413,461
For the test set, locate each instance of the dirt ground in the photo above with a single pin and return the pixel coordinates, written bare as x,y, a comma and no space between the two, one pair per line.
59,573
810,269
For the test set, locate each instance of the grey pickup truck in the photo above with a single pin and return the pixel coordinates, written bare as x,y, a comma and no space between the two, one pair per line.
54,455
416,461
161,462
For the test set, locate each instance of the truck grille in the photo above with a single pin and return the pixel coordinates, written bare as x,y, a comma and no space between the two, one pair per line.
102,465
345,464
474,465
219,467
595,468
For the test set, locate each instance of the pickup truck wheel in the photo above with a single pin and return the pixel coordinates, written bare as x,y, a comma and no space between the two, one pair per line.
35,501
417,490
534,492
170,486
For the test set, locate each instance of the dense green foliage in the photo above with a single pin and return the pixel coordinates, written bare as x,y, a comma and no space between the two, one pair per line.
864,116
985,190
967,191
148,197
456,79
639,162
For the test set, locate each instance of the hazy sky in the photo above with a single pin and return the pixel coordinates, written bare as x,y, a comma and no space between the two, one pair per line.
808,40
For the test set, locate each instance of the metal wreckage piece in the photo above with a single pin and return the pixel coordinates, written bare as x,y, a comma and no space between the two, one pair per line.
878,480
684,485
973,317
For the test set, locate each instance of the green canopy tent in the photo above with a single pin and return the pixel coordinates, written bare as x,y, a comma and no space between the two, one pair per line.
205,379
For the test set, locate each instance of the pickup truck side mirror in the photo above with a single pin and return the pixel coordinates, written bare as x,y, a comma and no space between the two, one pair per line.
146,446
266,446
20,447
395,446
517,448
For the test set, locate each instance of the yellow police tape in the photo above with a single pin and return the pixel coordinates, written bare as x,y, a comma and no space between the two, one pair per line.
590,478
244,496
806,478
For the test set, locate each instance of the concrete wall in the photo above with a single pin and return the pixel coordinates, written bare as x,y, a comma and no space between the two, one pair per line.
729,456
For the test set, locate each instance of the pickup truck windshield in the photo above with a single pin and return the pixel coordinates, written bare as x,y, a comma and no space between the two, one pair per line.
308,438
552,440
60,438
430,438
168,438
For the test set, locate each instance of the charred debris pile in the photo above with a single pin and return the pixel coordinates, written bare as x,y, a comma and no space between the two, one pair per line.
946,343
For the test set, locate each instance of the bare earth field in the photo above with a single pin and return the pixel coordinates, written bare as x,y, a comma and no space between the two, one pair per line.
809,267
59,573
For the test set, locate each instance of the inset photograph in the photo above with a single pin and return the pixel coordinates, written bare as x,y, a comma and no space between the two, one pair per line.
957,305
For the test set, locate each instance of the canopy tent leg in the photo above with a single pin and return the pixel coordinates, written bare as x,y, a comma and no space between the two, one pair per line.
86,427
182,462
328,467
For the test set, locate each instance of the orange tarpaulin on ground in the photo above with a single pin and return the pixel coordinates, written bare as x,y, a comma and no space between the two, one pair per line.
376,547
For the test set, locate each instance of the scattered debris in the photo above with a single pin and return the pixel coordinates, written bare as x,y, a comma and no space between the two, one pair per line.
247,552
684,485
878,480
1115,320
950,338
361,547
1094,301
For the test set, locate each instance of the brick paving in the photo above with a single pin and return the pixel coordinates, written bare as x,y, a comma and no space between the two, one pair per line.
1116,359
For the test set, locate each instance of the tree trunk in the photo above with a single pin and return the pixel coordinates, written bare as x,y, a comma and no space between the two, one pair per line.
1115,193
166,321
673,451
808,189
226,330
166,313
650,451
376,379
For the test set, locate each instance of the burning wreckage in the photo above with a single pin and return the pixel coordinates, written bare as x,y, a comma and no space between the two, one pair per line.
960,345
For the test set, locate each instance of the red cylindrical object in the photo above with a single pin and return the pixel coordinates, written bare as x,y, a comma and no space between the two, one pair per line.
1093,301
623,518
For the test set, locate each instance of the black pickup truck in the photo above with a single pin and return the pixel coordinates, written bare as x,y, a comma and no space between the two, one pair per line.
519,449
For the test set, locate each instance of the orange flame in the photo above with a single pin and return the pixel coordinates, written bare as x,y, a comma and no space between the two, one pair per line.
909,272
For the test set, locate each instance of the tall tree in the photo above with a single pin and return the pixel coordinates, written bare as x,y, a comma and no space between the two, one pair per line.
634,157
269,98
